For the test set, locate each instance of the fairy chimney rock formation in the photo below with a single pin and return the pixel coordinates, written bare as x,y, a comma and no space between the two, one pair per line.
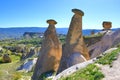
50,53
74,50
107,25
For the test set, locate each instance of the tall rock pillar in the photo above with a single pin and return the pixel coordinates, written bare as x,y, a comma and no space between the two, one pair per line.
50,53
74,50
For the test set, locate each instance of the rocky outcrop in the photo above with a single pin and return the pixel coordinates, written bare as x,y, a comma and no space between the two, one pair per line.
6,58
29,35
28,65
73,69
1,51
50,53
108,40
20,48
74,50
28,52
107,25
92,40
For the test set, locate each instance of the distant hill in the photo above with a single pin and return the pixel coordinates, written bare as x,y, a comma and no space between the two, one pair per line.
18,32
6,33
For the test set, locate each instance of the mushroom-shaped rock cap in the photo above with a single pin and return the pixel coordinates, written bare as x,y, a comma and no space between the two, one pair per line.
77,11
51,21
107,24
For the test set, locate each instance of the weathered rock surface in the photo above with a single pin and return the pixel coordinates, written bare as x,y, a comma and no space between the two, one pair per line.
50,54
92,40
29,52
109,39
19,48
75,59
6,58
107,70
73,69
74,46
28,65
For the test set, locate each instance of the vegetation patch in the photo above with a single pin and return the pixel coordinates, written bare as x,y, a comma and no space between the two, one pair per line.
15,58
62,39
45,75
91,72
13,48
7,70
92,36
109,57
33,41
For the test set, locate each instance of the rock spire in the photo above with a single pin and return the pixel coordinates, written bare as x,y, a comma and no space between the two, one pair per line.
74,50
50,53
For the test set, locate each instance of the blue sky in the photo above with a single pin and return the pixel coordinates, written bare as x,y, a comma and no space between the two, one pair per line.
34,13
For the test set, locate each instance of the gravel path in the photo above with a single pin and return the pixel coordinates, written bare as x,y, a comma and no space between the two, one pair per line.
112,73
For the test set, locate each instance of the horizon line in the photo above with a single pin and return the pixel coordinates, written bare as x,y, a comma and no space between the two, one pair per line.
46,27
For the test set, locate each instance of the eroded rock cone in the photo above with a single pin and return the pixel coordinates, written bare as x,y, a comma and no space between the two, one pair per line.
74,50
50,54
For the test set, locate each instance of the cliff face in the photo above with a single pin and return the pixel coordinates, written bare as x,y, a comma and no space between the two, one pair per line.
92,40
107,41
74,50
29,35
50,54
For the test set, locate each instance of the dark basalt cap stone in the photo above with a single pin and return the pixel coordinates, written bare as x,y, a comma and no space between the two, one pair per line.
77,11
51,21
106,22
